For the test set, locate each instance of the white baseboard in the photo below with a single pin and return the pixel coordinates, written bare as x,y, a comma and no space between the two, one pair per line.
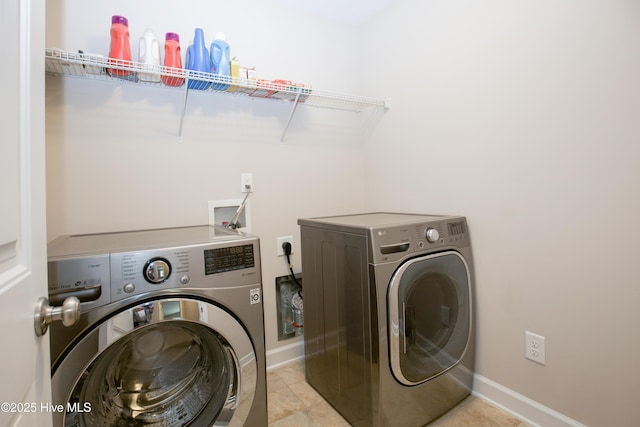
527,410
286,354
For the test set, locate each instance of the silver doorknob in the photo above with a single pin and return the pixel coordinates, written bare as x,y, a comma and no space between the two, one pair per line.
68,312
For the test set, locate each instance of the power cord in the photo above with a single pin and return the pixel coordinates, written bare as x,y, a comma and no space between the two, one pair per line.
286,247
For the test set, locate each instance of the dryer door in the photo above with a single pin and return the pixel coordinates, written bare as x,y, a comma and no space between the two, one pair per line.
429,316
164,362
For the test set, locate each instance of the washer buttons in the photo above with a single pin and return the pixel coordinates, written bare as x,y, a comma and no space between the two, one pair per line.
185,279
129,287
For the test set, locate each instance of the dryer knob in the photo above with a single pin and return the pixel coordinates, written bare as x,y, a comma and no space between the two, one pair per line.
157,270
432,235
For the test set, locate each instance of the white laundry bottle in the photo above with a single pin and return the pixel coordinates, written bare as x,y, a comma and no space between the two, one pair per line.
149,57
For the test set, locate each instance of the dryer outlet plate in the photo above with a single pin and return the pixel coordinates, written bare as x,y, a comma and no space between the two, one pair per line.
534,347
280,241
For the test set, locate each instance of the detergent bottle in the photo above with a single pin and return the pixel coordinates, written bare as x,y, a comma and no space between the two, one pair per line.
198,60
120,48
220,61
172,60
149,57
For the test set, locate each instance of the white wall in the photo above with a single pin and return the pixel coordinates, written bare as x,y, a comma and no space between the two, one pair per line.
523,116
113,157
520,115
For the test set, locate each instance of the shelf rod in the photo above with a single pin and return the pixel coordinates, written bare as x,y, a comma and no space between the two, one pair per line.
293,110
184,108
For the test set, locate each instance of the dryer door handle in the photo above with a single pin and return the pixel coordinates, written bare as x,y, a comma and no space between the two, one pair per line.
408,320
68,313
394,248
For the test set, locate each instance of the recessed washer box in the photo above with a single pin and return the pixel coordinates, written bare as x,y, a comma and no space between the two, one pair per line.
222,211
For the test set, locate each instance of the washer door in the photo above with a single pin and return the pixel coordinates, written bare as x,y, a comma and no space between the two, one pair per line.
429,316
167,362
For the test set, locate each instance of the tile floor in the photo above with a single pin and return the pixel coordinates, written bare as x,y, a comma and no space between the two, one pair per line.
294,403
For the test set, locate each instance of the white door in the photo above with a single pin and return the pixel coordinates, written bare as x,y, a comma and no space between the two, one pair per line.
25,384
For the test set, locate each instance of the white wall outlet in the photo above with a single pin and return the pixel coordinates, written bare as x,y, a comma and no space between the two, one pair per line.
246,182
280,241
534,347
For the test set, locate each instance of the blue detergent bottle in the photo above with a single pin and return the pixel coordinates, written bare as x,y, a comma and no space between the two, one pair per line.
198,60
220,60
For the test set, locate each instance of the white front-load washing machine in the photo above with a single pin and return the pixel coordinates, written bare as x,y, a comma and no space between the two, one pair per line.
388,329
171,331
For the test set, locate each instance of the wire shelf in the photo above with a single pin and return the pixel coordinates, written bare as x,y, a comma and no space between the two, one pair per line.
78,64
90,66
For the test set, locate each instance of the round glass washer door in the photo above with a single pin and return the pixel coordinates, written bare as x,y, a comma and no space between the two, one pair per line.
160,363
429,309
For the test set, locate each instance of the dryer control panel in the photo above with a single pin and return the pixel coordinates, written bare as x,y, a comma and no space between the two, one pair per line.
396,242
449,232
207,258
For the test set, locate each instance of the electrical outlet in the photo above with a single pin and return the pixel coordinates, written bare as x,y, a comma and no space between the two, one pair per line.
246,182
280,241
534,347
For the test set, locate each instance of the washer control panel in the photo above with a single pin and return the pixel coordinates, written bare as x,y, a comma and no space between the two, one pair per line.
99,279
133,273
204,266
107,267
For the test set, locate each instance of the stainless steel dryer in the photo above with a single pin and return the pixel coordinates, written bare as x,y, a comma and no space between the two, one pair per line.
388,303
171,331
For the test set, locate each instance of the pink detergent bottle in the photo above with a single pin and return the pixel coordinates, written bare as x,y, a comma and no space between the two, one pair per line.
120,50
172,59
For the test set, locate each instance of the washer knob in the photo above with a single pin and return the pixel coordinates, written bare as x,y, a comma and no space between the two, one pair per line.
157,270
129,287
185,280
432,235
